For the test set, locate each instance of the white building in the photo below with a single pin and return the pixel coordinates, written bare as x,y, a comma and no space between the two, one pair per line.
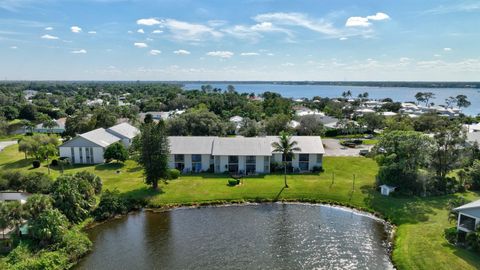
88,148
58,128
468,216
240,154
385,190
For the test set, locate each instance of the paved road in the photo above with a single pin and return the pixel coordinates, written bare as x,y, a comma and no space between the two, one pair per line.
6,143
333,148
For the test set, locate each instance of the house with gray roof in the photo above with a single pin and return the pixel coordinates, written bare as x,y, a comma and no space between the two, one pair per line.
468,216
88,148
240,155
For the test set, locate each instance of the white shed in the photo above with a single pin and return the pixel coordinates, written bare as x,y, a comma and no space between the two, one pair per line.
386,189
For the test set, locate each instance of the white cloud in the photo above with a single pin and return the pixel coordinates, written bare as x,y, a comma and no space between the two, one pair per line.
380,16
254,32
183,52
189,31
140,45
288,64
437,55
75,29
249,54
148,22
447,49
13,47
157,31
270,54
221,54
155,52
343,38
92,32
140,31
130,32
357,21
49,28
297,19
81,51
49,37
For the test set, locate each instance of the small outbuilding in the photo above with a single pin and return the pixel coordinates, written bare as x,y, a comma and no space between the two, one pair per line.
468,216
385,190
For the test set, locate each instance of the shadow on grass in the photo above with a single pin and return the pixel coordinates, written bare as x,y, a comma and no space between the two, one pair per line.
145,192
469,256
109,166
19,164
279,193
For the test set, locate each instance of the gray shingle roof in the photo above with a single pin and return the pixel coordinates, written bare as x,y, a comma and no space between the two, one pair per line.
124,129
100,136
475,204
191,144
240,146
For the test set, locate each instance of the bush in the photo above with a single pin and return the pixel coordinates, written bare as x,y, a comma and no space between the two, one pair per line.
173,174
37,182
451,235
111,204
15,179
3,184
316,169
75,244
36,164
54,162
233,182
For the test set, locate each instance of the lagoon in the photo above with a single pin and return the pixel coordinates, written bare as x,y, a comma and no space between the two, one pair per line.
332,91
255,236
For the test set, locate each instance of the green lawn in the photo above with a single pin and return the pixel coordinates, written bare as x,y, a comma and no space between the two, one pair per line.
419,240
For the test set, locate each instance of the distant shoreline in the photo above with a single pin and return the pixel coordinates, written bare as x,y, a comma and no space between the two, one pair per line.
405,84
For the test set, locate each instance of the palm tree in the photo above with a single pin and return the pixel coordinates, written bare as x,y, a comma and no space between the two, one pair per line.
286,146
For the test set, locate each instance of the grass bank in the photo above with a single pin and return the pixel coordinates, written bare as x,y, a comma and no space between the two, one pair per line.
420,221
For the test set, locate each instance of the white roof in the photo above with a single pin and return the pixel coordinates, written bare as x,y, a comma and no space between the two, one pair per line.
241,146
191,145
475,204
100,136
473,137
126,130
307,144
388,113
388,187
236,119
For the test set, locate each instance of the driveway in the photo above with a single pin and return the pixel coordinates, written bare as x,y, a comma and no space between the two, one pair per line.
333,148
6,143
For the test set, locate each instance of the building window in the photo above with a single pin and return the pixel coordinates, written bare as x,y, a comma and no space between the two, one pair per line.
233,164
467,222
81,154
197,163
179,162
217,164
72,153
87,155
250,164
266,164
319,158
303,162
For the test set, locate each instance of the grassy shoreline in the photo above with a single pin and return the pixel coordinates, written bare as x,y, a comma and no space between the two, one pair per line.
420,222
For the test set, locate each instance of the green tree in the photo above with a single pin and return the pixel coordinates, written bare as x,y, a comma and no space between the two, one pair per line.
373,121
462,101
116,151
153,150
49,227
249,128
310,125
49,125
37,204
286,147
277,123
47,151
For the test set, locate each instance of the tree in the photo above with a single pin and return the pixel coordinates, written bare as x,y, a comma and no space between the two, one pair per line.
11,215
46,151
310,125
373,121
286,147
428,96
420,97
450,102
116,151
462,101
49,227
276,124
28,112
249,128
199,122
49,125
37,204
153,150
148,118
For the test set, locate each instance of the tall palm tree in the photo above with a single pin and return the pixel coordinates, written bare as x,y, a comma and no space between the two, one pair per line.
286,146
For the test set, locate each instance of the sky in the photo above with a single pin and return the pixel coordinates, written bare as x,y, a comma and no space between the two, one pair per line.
320,40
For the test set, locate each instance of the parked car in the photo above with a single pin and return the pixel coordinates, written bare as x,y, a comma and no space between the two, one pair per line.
364,152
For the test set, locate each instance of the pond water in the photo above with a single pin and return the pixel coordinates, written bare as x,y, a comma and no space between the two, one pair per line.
260,236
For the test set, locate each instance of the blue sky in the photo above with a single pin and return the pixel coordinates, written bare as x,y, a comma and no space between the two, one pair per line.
239,40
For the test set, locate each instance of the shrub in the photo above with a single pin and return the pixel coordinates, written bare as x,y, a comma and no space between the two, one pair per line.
233,182
93,179
173,174
451,235
36,164
316,169
111,204
15,179
49,227
37,182
3,184
54,162
75,244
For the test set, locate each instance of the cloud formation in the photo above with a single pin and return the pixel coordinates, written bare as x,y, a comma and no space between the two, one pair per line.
221,54
75,29
148,22
249,54
366,21
186,31
81,51
181,52
155,52
49,37
140,31
140,45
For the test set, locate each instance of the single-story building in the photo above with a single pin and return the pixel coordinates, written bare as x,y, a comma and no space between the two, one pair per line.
58,128
88,148
468,216
385,190
473,137
9,196
240,154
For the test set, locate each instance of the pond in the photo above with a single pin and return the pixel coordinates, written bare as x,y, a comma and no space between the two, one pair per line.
257,236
